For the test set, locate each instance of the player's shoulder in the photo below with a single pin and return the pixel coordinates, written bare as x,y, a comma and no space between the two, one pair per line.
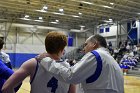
29,63
46,59
89,54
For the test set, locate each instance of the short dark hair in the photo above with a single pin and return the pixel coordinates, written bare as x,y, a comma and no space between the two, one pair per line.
100,39
1,43
55,42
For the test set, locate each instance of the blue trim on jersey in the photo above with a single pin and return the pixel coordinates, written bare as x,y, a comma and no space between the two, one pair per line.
34,73
98,70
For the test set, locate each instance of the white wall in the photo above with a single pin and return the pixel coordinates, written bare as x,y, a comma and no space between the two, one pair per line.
25,40
29,36
25,48
113,30
112,34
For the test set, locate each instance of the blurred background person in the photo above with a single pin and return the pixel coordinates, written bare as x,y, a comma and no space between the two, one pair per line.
3,56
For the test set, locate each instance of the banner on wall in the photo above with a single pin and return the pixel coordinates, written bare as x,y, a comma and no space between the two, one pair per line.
132,33
107,29
70,41
101,30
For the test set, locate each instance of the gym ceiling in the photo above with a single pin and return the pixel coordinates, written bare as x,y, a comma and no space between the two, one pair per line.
68,13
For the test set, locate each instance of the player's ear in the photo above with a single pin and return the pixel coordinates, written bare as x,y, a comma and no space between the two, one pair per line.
95,45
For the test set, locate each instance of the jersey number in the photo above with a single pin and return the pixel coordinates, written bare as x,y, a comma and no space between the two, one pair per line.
53,83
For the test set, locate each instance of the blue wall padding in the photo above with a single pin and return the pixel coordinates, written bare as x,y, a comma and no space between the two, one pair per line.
133,33
70,41
17,59
12,58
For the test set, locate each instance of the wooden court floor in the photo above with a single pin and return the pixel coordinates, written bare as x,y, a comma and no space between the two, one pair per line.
131,85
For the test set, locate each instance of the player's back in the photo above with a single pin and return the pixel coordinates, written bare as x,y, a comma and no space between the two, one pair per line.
44,82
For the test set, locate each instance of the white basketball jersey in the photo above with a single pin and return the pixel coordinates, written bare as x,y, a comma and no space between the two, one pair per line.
97,72
110,79
4,57
44,82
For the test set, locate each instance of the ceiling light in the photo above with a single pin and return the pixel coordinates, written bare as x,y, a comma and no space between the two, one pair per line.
107,21
107,6
112,3
61,10
58,13
54,22
25,19
40,18
82,26
110,19
57,20
45,7
80,13
26,16
86,2
138,13
43,11
75,16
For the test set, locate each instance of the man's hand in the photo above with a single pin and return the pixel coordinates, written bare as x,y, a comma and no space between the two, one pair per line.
41,56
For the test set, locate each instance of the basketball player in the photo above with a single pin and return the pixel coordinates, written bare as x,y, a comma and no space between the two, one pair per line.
97,71
40,80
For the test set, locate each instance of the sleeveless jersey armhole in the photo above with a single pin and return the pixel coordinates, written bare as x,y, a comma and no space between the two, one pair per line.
34,73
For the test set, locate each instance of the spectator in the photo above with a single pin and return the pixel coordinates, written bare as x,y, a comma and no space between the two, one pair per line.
3,56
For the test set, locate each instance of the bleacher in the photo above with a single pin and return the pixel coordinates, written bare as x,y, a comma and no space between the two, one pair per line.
136,70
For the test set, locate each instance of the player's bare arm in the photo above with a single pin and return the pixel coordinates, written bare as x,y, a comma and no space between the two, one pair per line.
25,70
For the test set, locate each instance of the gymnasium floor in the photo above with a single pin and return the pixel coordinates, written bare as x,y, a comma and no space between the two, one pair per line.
132,85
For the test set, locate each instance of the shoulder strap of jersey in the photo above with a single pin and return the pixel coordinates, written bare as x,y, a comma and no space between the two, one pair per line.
34,73
98,70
